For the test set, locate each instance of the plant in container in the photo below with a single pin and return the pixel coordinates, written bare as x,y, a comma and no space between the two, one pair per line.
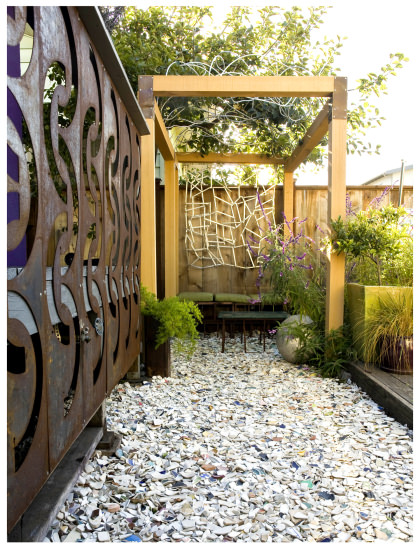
388,333
167,320
294,269
297,275
378,244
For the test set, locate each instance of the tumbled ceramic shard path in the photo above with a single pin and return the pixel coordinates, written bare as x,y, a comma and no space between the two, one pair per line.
244,447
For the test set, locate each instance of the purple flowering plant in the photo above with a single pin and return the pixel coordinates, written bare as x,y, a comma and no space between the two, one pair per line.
295,270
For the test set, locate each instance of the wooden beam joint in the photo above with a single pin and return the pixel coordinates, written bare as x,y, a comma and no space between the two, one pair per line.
146,96
339,108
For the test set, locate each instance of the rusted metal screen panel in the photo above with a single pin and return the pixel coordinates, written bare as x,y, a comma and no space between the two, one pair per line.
73,317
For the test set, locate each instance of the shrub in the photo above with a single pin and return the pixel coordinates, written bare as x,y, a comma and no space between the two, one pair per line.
177,319
327,352
378,245
296,272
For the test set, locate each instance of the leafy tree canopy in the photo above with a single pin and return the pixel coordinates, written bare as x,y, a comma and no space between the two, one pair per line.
269,41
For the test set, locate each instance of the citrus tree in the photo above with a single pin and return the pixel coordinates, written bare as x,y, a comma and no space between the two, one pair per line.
378,244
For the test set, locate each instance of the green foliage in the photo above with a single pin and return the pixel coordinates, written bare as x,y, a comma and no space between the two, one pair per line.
297,274
269,41
396,270
301,290
389,321
328,353
376,242
177,319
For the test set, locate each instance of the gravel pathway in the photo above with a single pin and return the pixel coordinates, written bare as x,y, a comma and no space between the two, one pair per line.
244,448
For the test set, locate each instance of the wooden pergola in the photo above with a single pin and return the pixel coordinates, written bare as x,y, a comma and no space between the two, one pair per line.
331,119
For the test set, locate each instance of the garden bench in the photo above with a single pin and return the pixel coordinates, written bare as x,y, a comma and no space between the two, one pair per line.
210,304
205,302
249,316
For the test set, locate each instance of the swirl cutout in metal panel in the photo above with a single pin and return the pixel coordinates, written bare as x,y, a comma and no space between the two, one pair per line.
22,424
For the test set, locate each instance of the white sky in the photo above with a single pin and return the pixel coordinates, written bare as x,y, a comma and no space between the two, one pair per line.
374,30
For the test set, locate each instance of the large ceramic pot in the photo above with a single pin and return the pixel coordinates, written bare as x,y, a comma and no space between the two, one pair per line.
361,300
287,345
398,355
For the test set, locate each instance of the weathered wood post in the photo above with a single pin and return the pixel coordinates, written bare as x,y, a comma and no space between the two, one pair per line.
148,193
171,229
337,150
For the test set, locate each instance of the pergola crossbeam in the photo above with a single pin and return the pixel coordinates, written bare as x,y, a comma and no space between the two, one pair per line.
163,140
241,86
241,158
312,138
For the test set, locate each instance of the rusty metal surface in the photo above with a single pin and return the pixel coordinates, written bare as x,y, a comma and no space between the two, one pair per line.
80,187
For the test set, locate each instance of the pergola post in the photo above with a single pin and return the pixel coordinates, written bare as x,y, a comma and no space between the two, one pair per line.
171,229
147,187
177,226
288,195
337,149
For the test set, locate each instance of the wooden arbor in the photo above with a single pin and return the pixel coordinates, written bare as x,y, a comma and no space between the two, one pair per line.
331,119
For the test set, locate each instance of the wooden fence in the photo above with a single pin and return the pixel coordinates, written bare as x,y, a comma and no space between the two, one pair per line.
309,202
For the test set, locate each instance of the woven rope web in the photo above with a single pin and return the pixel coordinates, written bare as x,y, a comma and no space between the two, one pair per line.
222,218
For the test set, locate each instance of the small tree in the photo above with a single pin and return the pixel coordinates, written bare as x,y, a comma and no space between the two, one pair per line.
376,238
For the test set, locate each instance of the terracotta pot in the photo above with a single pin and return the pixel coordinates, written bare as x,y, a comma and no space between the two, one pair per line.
398,355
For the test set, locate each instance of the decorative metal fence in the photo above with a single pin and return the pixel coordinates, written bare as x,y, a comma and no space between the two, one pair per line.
73,241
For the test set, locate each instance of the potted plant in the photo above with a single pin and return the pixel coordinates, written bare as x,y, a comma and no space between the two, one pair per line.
379,261
388,333
166,321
